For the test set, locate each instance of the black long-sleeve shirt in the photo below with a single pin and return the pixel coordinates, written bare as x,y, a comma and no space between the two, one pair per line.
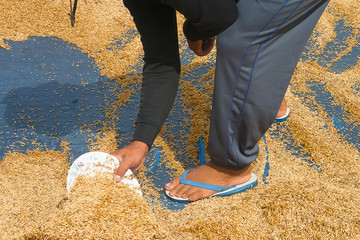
156,22
205,18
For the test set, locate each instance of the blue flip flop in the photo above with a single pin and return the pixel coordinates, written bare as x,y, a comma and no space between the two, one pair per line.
222,191
283,118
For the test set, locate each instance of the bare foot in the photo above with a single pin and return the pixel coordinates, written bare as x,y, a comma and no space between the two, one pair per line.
208,173
283,109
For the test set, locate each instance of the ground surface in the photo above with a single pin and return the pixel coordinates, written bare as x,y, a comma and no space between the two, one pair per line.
73,90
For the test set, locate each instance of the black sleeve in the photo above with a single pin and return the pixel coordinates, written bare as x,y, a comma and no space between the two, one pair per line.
157,26
205,18
158,92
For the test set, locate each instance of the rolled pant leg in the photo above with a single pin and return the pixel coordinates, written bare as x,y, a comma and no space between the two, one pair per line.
256,58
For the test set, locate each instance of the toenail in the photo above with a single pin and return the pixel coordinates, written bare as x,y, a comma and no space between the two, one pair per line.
117,178
168,185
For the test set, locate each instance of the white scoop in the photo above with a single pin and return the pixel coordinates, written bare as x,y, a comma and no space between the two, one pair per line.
99,162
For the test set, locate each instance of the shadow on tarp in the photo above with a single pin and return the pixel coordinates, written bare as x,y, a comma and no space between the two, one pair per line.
54,108
49,90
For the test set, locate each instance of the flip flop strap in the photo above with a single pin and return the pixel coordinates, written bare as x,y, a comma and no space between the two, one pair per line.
202,185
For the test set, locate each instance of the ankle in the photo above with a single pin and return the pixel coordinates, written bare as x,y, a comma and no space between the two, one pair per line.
243,174
283,109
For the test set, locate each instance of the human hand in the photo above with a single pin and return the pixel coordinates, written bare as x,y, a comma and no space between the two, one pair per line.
131,157
202,47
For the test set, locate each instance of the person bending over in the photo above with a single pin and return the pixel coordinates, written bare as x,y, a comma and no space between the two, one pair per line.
258,46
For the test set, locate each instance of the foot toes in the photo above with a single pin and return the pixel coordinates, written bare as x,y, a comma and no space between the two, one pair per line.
181,190
196,195
184,195
174,191
171,185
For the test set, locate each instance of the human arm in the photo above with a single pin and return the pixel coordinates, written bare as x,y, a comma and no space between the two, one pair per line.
158,30
157,27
